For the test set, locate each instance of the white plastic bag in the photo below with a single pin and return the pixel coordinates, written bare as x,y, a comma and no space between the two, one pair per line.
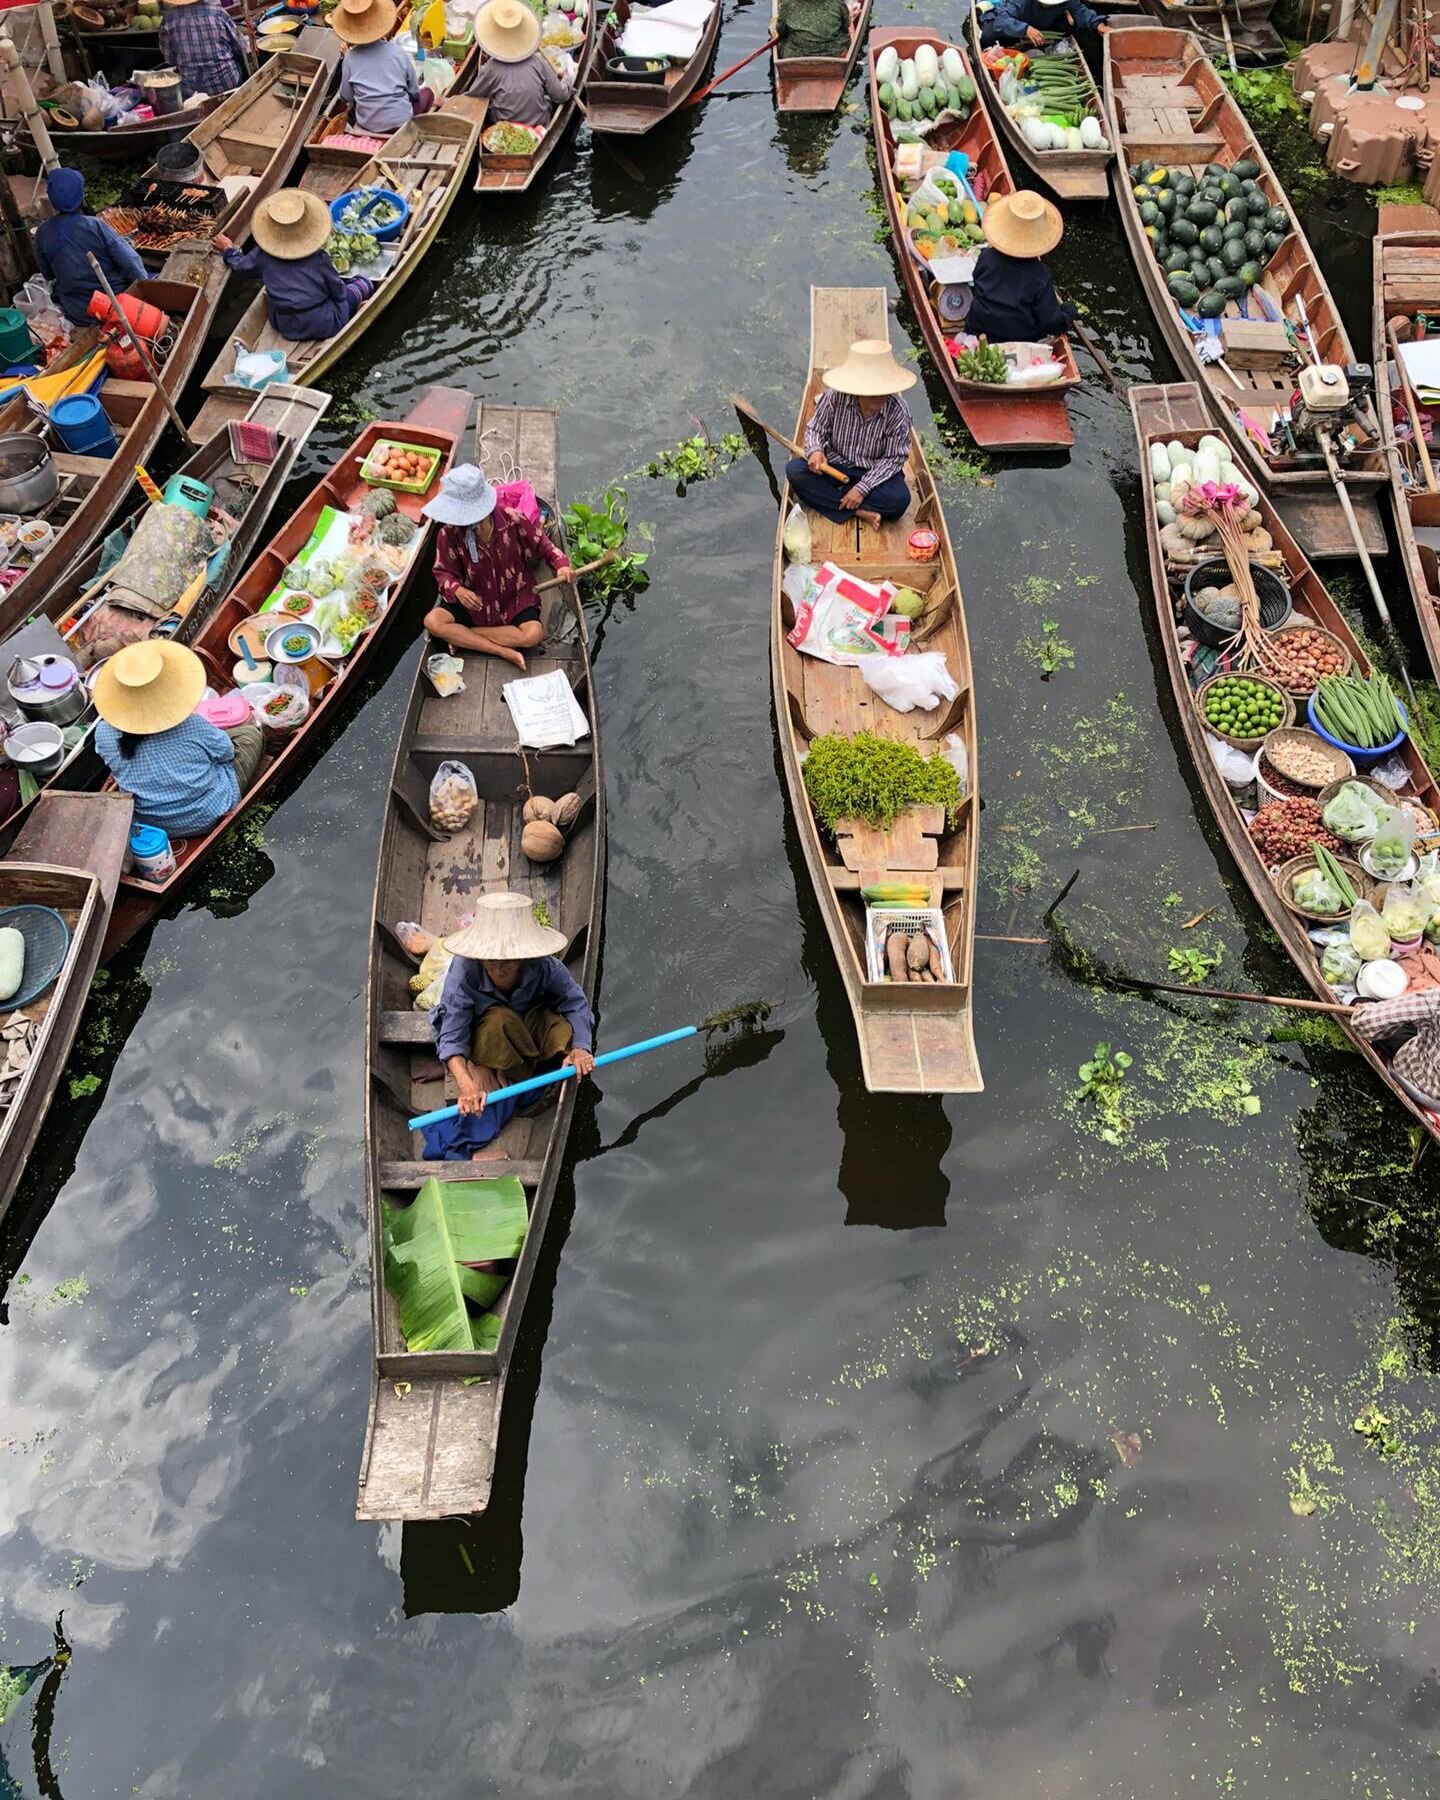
906,682
255,369
958,758
1237,770
797,534
453,797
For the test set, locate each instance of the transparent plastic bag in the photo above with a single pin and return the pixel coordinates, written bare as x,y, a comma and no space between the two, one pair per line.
453,797
1354,813
906,682
429,978
797,534
1340,964
1368,933
1405,910
1394,841
958,758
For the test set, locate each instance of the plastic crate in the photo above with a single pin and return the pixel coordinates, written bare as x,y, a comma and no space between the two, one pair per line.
879,920
375,476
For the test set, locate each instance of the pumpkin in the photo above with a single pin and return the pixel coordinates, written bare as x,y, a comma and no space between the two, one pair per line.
395,530
378,505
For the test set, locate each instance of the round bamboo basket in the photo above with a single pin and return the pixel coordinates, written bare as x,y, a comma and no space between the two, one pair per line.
1290,872
1330,637
1287,716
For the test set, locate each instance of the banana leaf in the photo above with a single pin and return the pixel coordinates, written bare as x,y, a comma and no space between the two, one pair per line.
428,1244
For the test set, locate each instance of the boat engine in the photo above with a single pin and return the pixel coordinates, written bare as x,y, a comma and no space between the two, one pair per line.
1334,400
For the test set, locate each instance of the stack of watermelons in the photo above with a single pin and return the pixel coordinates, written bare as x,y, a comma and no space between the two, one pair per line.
1212,235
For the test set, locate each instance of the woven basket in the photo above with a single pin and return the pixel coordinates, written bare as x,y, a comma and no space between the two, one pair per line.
1288,873
1335,642
47,941
1287,716
1378,788
1290,734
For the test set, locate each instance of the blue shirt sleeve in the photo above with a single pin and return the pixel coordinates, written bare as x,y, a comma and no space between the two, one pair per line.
331,281
217,744
1007,24
243,262
564,993
122,253
1086,18
412,80
453,1020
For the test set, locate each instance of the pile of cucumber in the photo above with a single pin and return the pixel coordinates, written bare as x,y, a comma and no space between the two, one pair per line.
923,86
1212,235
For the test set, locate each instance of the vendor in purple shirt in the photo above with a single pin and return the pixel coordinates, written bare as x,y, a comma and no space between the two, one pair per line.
304,296
509,1009
378,82
515,77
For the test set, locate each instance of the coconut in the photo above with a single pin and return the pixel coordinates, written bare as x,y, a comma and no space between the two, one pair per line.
537,807
907,603
567,811
541,842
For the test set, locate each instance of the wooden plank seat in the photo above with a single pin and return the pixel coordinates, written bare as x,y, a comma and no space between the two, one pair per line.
409,1177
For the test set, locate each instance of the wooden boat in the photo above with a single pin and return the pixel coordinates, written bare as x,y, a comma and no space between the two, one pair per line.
430,155
326,142
998,418
518,174
93,488
1180,411
913,1038
431,1438
630,106
816,84
1254,38
1167,104
1072,174
292,413
1407,282
68,857
254,135
435,422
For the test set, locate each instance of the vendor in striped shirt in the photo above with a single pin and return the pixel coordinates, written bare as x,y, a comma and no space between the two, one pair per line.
861,427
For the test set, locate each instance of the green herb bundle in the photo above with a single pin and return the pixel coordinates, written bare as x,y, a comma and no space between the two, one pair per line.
874,779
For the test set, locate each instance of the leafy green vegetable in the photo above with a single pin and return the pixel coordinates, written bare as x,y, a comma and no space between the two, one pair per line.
875,779
592,530
428,1244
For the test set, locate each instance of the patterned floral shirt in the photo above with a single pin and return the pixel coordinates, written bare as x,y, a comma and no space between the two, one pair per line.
497,573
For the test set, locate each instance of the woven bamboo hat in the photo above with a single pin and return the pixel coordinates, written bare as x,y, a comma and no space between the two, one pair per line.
507,30
363,21
149,686
505,929
869,369
1023,224
291,224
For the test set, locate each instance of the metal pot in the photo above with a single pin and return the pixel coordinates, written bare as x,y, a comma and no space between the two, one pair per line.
28,480
161,87
48,688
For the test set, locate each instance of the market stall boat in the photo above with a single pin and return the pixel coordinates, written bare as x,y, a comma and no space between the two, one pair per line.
1407,283
242,490
68,858
91,488
1002,417
252,138
628,104
435,1415
914,1038
143,137
1163,415
502,174
1168,107
1072,174
430,156
816,84
433,425
1248,22
332,140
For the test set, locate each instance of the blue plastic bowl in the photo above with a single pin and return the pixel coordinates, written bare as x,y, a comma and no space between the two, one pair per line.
47,942
383,234
1363,759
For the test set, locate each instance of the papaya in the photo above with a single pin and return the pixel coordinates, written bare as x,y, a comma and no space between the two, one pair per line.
887,94
965,87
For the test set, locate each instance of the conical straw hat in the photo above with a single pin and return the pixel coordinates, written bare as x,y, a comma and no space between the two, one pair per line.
507,30
869,369
1023,224
292,224
363,21
505,929
149,686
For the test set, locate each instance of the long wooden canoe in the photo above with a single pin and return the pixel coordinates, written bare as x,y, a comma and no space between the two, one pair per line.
436,421
254,137
93,488
914,1038
292,413
431,1438
816,84
326,142
431,156
1255,39
1003,418
518,174
68,857
1180,411
1166,104
1072,174
629,108
1407,282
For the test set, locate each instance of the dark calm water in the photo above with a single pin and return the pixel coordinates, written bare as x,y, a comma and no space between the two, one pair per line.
860,1448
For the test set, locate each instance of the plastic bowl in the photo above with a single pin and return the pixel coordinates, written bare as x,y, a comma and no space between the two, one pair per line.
278,641
382,234
1362,759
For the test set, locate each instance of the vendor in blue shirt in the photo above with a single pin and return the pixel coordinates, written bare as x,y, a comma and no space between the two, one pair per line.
305,298
1014,299
508,1010
1027,21
378,82
64,245
185,773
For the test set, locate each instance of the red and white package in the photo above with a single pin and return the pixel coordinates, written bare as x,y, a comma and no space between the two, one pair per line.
840,618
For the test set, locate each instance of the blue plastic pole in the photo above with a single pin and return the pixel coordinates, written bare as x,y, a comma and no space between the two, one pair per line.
539,1081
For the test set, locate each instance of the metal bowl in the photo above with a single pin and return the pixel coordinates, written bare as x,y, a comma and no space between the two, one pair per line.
28,479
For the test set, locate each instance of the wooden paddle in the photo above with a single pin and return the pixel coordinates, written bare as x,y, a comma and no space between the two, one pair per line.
1101,361
1392,637
742,405
1412,406
1209,993
734,69
600,562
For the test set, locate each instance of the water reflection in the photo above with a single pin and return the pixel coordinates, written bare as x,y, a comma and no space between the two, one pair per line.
806,139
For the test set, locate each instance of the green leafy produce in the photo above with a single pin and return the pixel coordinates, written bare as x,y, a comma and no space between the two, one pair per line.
427,1245
1237,707
875,779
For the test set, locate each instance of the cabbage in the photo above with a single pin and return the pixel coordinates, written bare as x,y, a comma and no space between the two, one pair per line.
1340,964
886,63
1368,932
1354,814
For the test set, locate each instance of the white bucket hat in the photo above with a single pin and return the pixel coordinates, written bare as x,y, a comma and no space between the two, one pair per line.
505,929
465,498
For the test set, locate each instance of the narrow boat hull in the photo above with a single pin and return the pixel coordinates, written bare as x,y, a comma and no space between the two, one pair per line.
816,84
512,176
1072,174
632,108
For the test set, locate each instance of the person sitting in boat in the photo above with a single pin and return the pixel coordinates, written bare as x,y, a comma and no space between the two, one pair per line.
1014,299
516,77
483,557
378,82
201,41
184,772
65,244
509,1009
305,297
862,427
1027,21
813,28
